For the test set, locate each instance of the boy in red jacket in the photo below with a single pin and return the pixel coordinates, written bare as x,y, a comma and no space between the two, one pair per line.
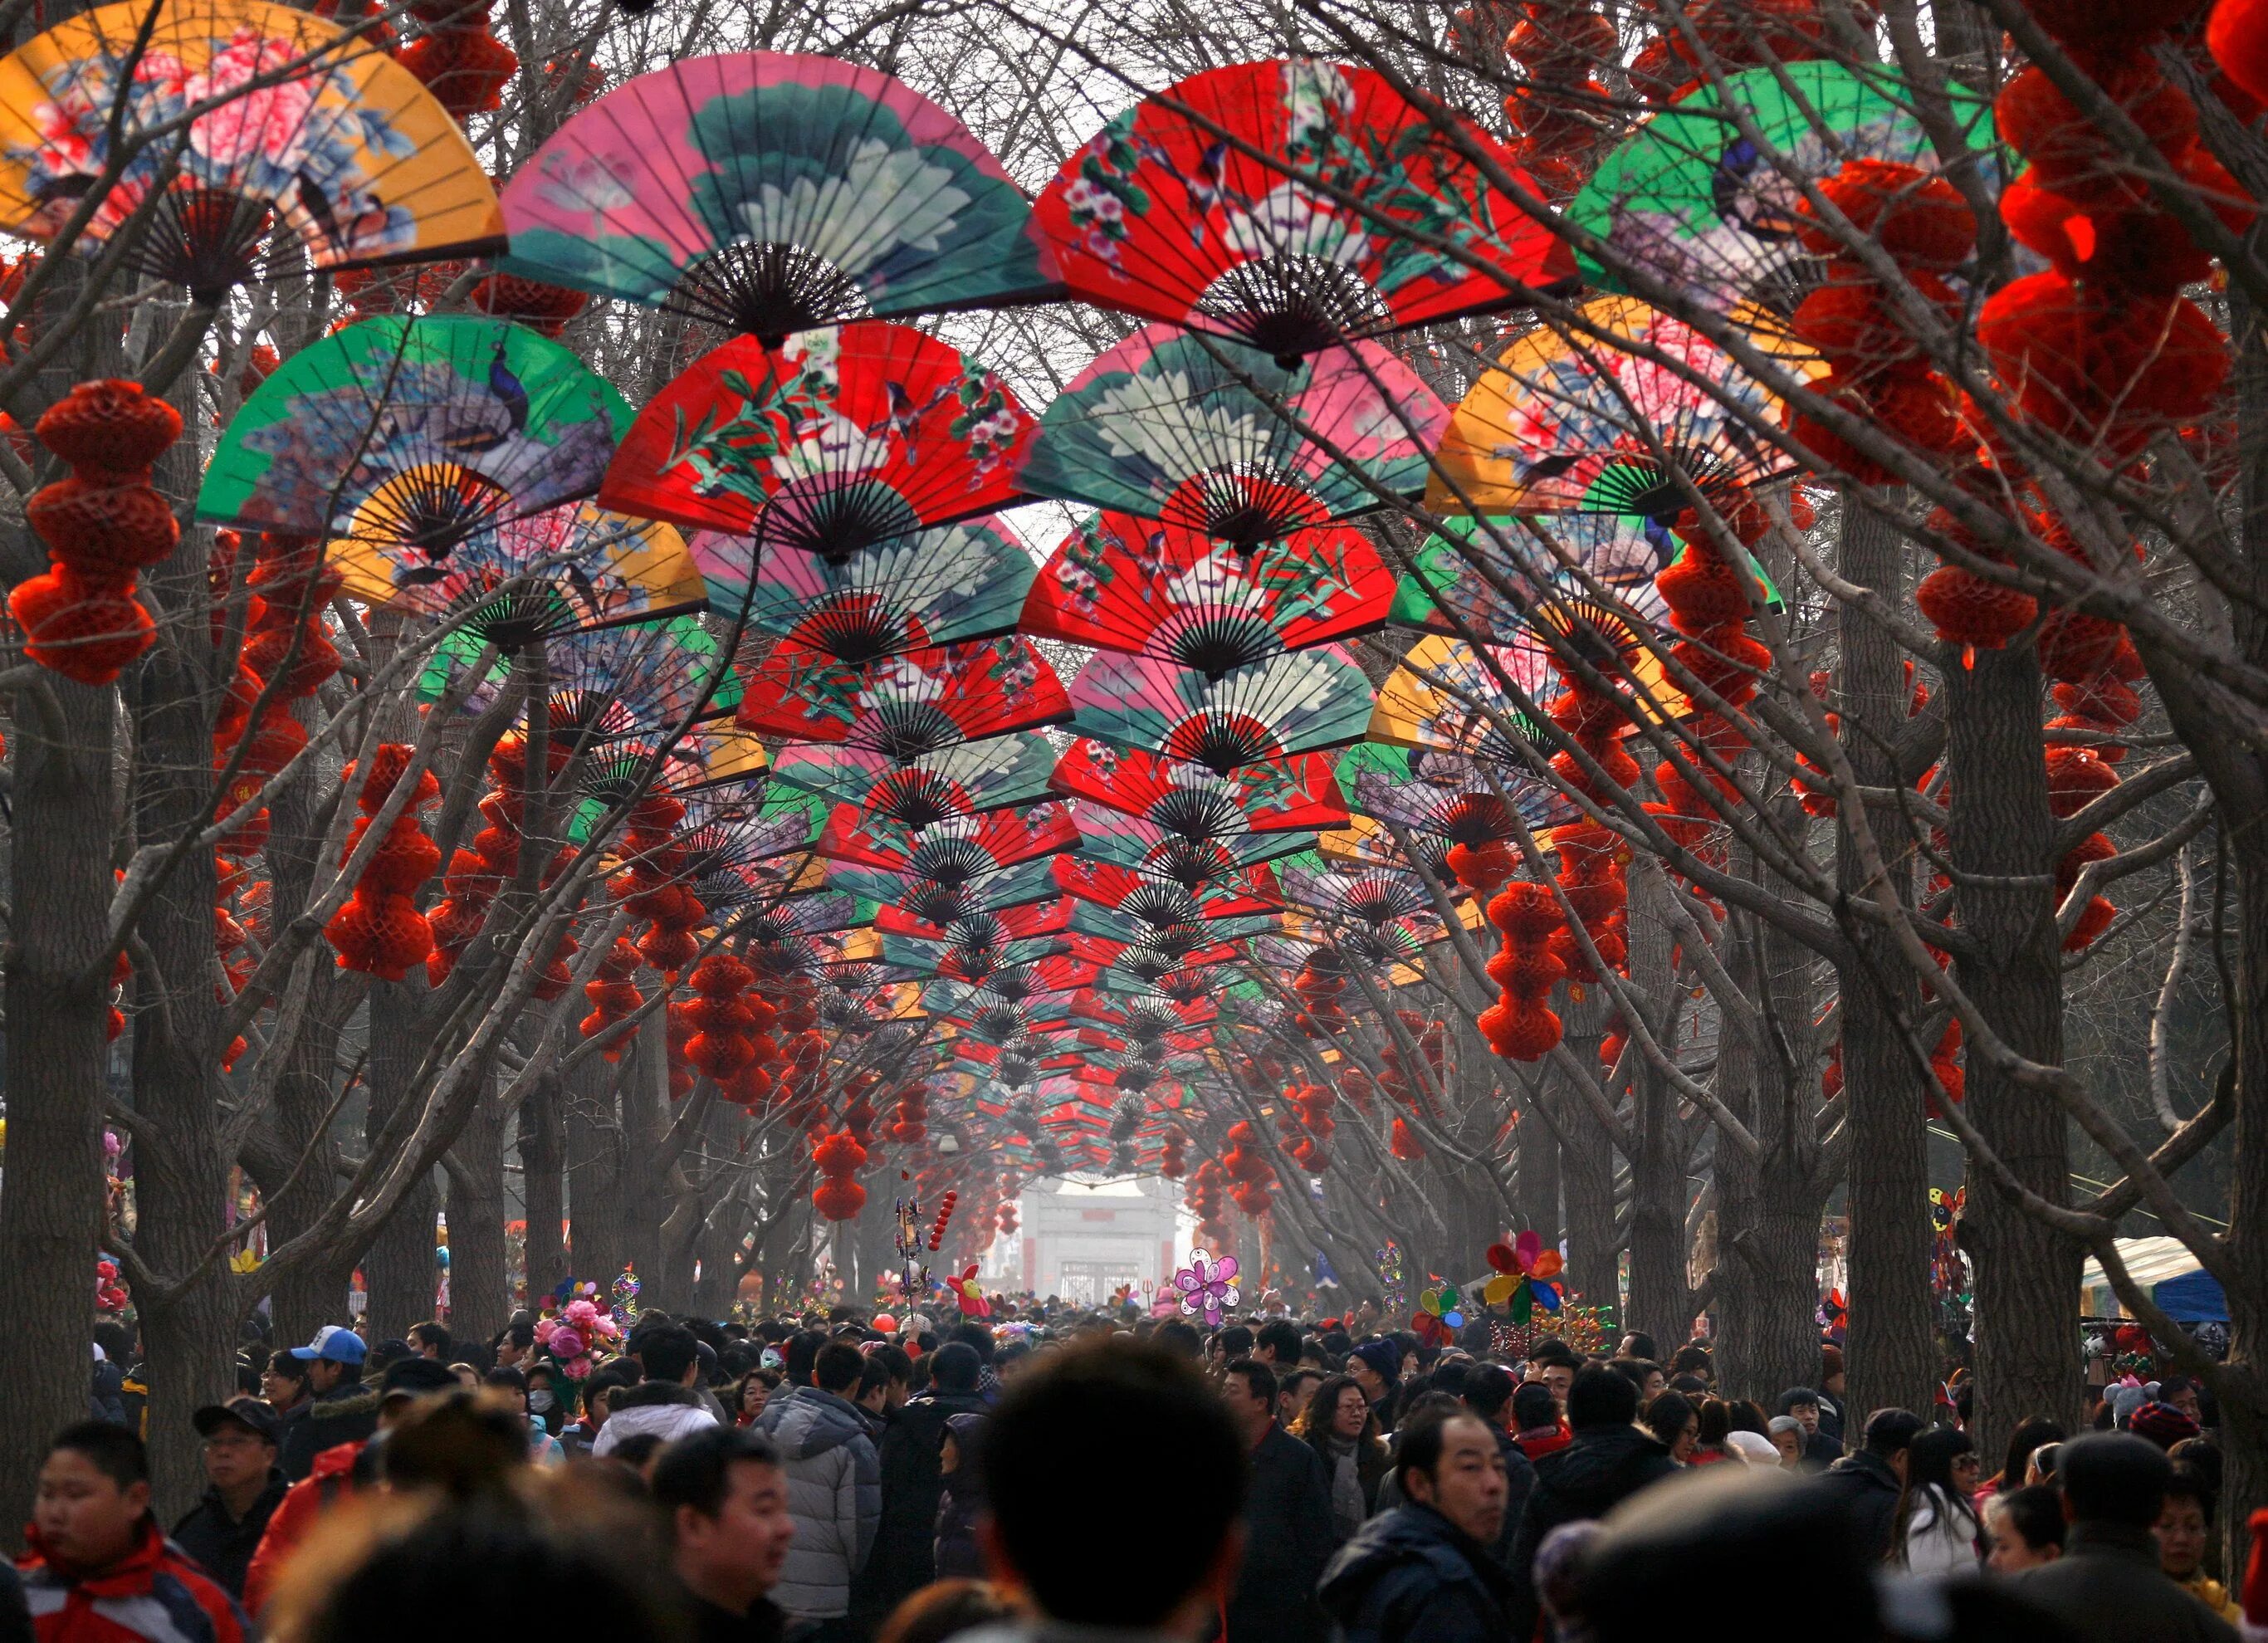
100,1570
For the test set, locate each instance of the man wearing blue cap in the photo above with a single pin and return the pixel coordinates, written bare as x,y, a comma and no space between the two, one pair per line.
343,1411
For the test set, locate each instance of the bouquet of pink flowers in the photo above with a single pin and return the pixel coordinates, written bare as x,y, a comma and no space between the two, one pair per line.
579,1328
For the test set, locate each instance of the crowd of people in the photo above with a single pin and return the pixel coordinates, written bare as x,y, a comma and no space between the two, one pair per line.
853,1479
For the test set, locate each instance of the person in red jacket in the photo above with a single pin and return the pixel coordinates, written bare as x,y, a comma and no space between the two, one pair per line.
100,1570
335,1474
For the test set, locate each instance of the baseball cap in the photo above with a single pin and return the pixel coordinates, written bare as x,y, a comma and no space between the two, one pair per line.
414,1377
242,1411
333,1343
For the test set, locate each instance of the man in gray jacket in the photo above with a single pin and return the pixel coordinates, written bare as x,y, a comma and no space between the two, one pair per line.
834,1488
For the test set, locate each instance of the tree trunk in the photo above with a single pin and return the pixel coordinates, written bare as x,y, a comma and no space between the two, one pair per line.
1660,1302
1586,1154
2003,834
1892,1358
51,1210
399,1268
1537,1179
479,1290
595,1173
543,1186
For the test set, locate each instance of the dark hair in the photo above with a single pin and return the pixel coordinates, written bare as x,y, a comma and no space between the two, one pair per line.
1555,1353
285,1367
462,1443
895,1360
1890,1430
1169,1505
1418,1443
1281,1336
637,1450
2189,1484
874,1375
802,1348
955,1368
506,1376
1929,1465
2114,1478
1601,1397
1179,1338
1668,1416
1637,1343
696,1470
1715,1423
667,1352
1693,1358
1488,1389
2202,1458
1748,1415
1692,1385
1533,1404
1235,1341
1636,1371
974,1336
113,1451
2022,1442
1291,1379
1259,1380
837,1366
1315,1422
2049,1457
1449,1375
436,1335
520,1333
2035,1513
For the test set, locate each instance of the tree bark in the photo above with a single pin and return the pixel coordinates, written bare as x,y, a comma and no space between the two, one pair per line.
1586,1154
1892,1360
1537,1177
595,1173
2003,853
480,1290
399,1268
543,1186
1661,1304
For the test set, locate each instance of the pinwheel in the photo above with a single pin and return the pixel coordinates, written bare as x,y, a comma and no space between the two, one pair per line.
408,437
1606,413
1266,796
966,778
969,1293
1293,205
1445,795
904,706
829,442
1148,588
940,587
1178,427
1208,1287
1112,836
304,124
1292,703
534,576
1524,1271
1709,203
769,193
962,846
1439,1315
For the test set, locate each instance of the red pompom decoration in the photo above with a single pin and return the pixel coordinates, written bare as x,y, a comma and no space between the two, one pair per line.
1973,611
380,934
112,425
85,631
465,68
102,528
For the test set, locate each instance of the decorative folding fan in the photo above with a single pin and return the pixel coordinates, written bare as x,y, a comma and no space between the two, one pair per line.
1375,895
1693,199
1291,704
569,567
972,963
941,901
966,779
1444,695
1112,836
781,919
1292,205
707,758
1035,921
1374,947
1536,560
940,587
724,834
831,442
1266,796
1148,588
1445,795
1173,937
769,192
1567,421
1175,426
303,125
408,436
632,679
1155,903
963,846
905,706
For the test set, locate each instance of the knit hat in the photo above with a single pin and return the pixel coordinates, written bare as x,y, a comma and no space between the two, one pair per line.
1831,1362
2162,1424
1384,1359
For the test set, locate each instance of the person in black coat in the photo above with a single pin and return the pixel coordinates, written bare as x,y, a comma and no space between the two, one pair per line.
1609,1460
1424,1572
243,1487
904,1555
2107,1587
1288,1535
959,1557
1865,1487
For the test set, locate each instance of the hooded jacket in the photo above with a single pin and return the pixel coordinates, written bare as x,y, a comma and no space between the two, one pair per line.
347,1414
1603,1467
154,1593
834,1494
661,1407
1411,1574
958,1556
905,1538
223,1545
